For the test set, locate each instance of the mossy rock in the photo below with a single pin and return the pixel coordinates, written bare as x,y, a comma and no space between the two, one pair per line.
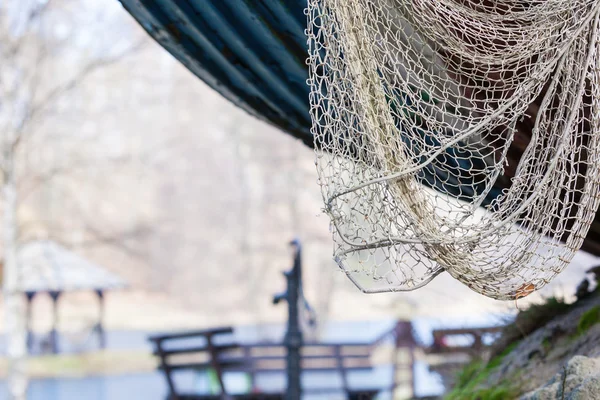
470,379
589,318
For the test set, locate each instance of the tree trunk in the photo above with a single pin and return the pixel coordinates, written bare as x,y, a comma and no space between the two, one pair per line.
14,299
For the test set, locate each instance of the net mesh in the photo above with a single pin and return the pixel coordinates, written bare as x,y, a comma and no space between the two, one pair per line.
458,136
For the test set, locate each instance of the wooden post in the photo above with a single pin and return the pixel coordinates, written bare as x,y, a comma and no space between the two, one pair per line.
404,339
165,367
340,367
30,296
413,384
214,361
99,325
55,295
248,357
477,342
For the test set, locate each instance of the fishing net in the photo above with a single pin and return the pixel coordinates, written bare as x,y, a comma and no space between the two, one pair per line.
458,136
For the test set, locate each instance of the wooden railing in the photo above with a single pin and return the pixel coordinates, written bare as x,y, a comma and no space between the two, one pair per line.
476,344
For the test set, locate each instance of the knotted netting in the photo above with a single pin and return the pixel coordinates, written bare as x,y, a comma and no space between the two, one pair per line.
456,135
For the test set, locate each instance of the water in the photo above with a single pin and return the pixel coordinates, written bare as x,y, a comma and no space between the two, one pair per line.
153,386
150,386
121,387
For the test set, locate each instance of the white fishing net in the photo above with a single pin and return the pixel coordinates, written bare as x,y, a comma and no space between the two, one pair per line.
456,135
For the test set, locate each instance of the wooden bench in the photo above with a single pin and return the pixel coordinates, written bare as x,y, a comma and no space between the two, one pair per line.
171,359
221,354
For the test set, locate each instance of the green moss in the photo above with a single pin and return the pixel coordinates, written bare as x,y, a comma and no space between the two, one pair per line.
502,392
495,361
469,374
477,372
468,380
546,344
590,318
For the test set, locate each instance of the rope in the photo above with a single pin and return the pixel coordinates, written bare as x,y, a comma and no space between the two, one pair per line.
426,110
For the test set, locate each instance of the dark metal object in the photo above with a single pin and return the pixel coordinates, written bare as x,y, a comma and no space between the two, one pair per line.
253,52
293,337
250,362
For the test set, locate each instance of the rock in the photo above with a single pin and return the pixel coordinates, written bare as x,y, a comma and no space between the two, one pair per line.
549,392
583,366
581,379
588,390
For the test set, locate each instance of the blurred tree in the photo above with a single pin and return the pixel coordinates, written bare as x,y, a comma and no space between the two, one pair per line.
33,79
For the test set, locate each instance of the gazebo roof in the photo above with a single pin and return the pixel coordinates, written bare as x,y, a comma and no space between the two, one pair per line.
46,266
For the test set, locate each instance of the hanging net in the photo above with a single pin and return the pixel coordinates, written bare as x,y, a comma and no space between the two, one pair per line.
456,135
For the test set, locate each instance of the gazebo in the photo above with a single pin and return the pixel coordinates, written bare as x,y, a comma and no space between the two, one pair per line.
47,267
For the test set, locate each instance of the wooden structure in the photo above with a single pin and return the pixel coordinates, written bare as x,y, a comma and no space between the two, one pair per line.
404,344
475,343
447,359
221,354
47,267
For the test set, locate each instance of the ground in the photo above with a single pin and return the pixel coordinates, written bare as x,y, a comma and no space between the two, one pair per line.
527,363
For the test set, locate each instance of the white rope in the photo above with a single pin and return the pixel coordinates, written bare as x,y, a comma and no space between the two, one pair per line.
418,103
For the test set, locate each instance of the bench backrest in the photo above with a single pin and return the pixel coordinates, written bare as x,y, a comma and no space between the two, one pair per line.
219,351
228,356
204,356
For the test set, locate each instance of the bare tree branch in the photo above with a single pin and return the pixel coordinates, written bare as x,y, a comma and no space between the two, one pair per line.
14,43
34,84
115,240
33,182
107,237
25,51
97,237
75,81
39,11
